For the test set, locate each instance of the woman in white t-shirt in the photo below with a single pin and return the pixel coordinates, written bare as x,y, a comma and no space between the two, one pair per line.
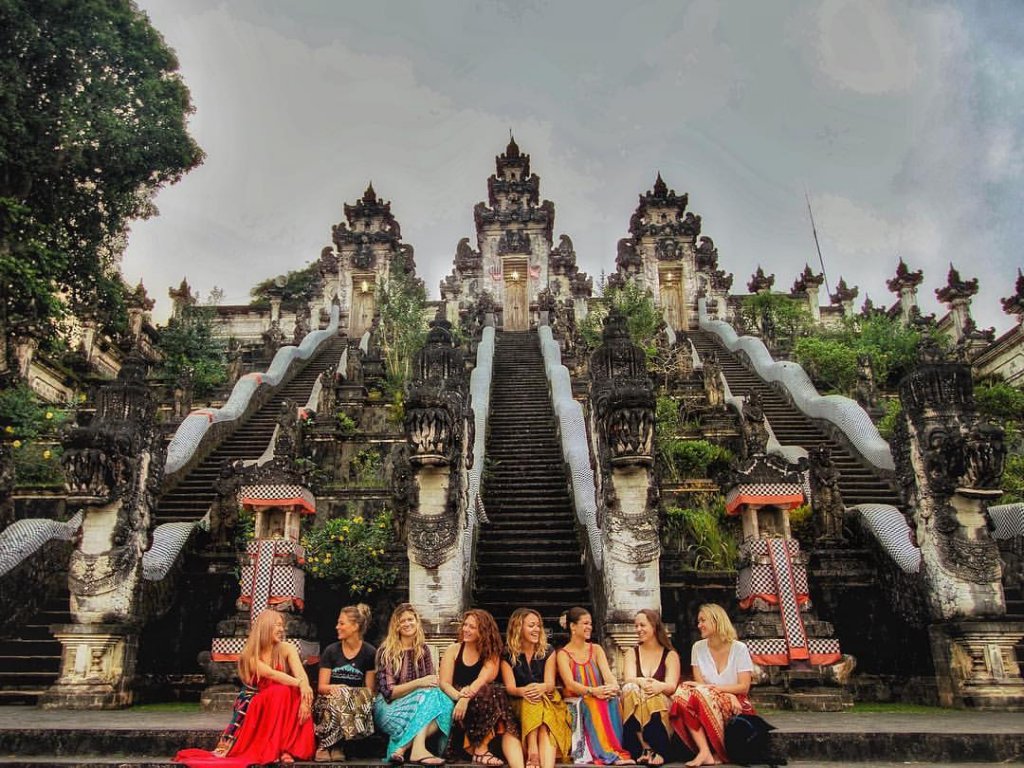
721,679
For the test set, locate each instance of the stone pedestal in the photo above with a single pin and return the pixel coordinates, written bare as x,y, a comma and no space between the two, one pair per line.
976,665
619,639
806,689
97,667
437,592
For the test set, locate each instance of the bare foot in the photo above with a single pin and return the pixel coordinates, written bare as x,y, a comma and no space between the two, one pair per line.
702,758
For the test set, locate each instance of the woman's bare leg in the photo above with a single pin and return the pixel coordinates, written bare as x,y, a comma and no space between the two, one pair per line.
419,744
548,752
512,748
703,756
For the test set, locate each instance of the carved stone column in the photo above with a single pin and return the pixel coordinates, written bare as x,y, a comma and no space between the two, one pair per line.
949,464
623,399
436,413
114,466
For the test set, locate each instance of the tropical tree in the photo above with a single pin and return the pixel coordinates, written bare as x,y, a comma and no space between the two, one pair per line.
295,287
831,356
191,353
643,319
401,302
776,317
92,123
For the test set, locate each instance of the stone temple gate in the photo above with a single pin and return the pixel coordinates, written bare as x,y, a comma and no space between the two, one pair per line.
524,462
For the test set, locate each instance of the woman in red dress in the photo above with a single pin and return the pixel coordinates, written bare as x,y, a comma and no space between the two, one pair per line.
271,722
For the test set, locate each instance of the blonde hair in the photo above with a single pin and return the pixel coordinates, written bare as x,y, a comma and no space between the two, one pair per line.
359,615
391,650
261,637
514,636
724,630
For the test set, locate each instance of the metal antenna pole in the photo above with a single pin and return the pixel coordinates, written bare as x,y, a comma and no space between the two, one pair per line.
817,245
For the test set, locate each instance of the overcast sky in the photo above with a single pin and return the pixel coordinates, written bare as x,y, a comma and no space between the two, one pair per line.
904,122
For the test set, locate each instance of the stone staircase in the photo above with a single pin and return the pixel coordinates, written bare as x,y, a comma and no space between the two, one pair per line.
529,554
190,499
30,659
859,482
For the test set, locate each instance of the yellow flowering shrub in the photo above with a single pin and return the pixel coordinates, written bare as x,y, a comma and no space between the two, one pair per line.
352,550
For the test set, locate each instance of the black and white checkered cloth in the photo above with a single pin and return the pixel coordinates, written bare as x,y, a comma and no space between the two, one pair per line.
889,526
1008,520
23,537
758,578
268,577
796,634
266,495
168,541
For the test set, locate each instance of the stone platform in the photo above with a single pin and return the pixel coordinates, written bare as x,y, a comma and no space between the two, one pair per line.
147,738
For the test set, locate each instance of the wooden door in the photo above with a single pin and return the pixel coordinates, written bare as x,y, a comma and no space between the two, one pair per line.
363,306
671,290
517,301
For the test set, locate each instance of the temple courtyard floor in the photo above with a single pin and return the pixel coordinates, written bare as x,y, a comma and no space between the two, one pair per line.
147,737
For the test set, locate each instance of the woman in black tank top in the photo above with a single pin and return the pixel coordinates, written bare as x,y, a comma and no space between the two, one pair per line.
528,671
468,669
651,676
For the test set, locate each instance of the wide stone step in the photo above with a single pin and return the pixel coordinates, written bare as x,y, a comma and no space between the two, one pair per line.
562,550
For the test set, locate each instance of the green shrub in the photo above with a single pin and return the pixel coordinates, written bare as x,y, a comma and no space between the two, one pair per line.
893,413
701,535
37,464
692,458
346,424
352,551
829,362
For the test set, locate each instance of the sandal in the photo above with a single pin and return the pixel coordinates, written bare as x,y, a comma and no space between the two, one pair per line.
431,760
656,759
396,758
489,759
286,759
645,757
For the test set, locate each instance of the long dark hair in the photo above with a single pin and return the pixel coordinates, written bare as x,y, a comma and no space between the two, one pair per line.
660,633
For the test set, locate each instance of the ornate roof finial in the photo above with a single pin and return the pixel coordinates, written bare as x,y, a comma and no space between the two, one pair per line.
956,288
660,187
512,150
1014,305
904,278
369,196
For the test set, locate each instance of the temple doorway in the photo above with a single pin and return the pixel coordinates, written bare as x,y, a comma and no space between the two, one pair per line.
517,304
363,304
670,281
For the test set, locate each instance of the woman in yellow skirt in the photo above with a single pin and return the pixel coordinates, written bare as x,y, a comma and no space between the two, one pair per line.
651,676
528,671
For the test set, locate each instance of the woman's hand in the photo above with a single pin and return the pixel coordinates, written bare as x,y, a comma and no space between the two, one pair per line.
649,686
534,692
304,712
735,702
306,694
460,709
427,681
468,692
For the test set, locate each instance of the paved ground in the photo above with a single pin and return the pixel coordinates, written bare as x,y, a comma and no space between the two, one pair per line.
940,721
